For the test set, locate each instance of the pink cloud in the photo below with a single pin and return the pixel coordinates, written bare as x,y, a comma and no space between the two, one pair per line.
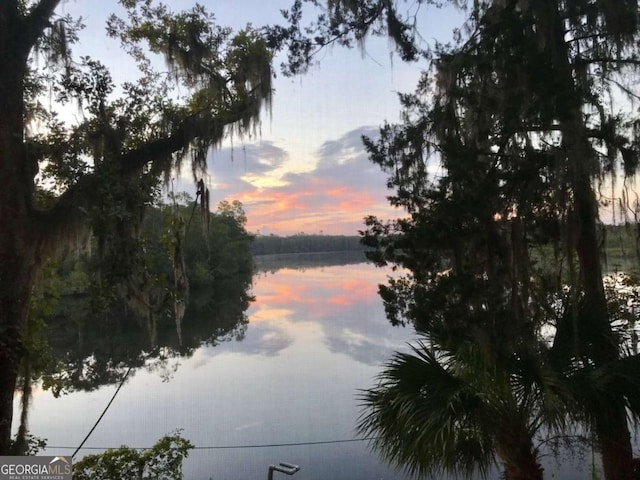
333,198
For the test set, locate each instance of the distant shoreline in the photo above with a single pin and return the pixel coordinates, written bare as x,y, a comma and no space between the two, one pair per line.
303,243
272,262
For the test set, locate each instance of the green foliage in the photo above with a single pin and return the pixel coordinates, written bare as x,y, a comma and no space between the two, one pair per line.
136,328
435,414
305,243
523,118
215,247
212,249
34,445
106,168
117,216
162,461
104,163
233,210
344,22
44,301
139,264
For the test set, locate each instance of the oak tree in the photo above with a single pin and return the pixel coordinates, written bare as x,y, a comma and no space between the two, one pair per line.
196,83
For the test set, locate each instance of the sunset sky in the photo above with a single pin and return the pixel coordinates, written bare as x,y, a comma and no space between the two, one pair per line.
306,170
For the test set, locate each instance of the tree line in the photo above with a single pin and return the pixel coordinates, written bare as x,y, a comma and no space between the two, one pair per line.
305,243
214,246
620,245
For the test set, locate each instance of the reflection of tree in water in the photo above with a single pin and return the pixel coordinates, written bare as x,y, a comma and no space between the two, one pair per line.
95,349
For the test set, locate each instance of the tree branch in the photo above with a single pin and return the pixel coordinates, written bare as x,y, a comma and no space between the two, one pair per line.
38,20
624,88
66,215
620,61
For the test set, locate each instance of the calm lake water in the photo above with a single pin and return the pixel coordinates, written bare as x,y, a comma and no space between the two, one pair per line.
315,335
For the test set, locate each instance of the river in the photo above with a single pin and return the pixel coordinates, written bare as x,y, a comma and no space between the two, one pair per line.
283,388
314,337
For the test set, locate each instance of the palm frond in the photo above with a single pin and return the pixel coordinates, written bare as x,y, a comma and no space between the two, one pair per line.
425,419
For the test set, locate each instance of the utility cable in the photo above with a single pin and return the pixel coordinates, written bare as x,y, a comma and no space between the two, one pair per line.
102,414
228,447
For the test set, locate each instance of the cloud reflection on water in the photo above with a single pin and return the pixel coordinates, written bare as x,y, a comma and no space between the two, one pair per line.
314,337
342,300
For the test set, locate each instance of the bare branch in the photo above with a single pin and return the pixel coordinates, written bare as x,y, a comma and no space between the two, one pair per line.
624,88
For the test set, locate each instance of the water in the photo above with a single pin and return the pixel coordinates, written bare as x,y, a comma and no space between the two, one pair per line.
244,393
314,337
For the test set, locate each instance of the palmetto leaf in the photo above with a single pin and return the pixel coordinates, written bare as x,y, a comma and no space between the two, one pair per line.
425,418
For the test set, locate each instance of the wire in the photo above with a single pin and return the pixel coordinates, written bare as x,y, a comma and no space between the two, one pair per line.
228,447
266,445
102,414
220,447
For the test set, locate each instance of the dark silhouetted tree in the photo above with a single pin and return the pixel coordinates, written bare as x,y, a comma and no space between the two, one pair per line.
105,167
527,118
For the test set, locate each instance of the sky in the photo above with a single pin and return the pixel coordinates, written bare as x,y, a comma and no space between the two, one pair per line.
305,171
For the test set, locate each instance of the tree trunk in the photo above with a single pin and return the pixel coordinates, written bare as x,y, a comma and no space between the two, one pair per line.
20,445
18,264
520,460
16,279
615,444
596,334
611,424
8,376
523,471
597,339
19,237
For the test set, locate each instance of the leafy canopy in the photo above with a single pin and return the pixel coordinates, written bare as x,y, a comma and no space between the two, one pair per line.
500,161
